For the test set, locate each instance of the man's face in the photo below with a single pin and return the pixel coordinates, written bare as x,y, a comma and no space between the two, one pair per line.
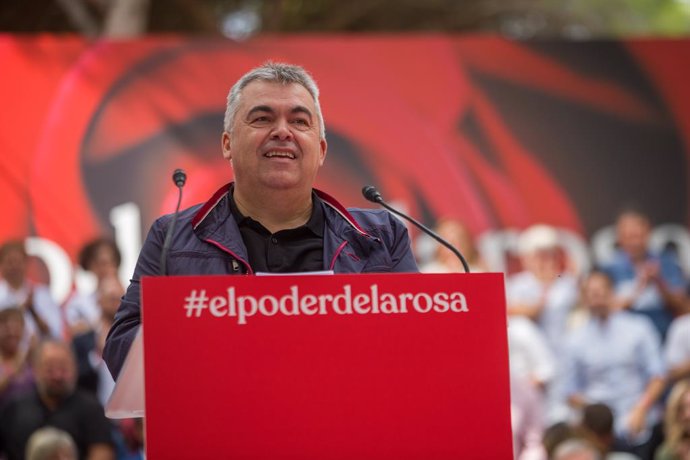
275,142
109,293
598,294
543,263
11,332
13,266
632,232
55,371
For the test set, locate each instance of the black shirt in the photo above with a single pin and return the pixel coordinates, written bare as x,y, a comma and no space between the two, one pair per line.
293,250
81,415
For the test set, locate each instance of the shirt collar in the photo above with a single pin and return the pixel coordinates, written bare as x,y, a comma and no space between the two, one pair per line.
314,224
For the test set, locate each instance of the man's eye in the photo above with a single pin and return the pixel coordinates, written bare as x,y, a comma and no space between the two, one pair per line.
259,119
300,121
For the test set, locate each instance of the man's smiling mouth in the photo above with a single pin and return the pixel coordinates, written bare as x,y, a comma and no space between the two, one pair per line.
277,154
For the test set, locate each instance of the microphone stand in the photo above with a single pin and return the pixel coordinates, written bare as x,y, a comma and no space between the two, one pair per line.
373,195
179,178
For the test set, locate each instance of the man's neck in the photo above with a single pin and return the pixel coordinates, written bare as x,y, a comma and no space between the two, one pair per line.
51,403
15,284
107,320
276,211
602,317
637,257
9,356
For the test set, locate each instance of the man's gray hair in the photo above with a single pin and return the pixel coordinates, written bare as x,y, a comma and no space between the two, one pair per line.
48,441
576,448
273,72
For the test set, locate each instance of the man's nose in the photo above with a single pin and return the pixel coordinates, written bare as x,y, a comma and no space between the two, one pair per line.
281,130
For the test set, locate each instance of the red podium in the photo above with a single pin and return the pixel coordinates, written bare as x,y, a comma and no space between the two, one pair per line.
385,366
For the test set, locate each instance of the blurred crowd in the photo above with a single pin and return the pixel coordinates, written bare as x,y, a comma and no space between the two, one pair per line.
53,382
599,361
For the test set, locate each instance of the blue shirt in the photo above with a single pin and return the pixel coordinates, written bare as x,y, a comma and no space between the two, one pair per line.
612,362
650,302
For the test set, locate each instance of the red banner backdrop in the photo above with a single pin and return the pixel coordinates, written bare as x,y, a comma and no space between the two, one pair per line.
497,133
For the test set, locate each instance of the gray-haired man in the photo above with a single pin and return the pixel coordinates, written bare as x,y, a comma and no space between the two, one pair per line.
270,219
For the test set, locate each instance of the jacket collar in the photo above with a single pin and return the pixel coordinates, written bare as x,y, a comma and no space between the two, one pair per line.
214,223
211,205
217,209
340,209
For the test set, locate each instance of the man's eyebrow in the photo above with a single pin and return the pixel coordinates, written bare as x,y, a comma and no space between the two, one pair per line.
301,109
260,108
269,109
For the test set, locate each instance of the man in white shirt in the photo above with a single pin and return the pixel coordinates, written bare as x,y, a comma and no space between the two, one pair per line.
677,349
41,313
615,359
543,291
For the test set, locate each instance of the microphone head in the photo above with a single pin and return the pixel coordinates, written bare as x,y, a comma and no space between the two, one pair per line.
179,177
372,194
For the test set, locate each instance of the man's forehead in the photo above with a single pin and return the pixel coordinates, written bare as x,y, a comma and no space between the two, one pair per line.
53,353
267,93
632,218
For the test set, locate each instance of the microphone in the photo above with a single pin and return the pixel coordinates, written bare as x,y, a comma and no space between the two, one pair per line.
179,178
372,194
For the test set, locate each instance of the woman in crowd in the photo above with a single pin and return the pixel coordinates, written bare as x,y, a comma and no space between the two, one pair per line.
15,372
677,424
444,260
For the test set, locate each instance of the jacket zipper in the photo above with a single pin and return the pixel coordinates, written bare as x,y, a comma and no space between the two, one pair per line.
236,258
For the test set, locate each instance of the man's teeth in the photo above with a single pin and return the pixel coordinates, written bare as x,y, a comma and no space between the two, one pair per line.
280,154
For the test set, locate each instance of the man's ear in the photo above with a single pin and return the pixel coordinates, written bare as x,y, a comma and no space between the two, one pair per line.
324,149
225,144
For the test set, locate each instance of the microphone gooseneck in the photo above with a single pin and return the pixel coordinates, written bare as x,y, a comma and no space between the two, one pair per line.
179,178
372,194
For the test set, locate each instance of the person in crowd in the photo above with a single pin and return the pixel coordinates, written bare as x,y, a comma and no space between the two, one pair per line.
100,257
560,432
133,432
615,359
527,419
676,445
646,282
542,291
270,219
88,345
677,348
597,423
531,358
16,375
554,435
576,449
533,363
444,260
56,402
41,314
51,444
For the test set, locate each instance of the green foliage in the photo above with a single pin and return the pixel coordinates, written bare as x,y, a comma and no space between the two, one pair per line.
625,18
553,19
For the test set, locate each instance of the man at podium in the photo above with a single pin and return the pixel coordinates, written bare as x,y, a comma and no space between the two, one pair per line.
270,219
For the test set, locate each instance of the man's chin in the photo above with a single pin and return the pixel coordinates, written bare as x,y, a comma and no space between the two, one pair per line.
57,392
281,182
278,182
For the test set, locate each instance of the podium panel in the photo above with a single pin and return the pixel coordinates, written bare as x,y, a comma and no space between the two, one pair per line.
384,366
